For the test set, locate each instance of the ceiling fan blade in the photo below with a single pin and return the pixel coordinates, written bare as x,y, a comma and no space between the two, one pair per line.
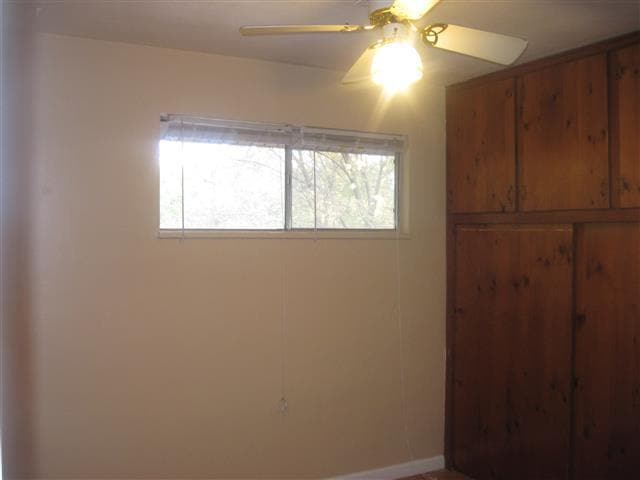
286,29
412,9
361,70
493,47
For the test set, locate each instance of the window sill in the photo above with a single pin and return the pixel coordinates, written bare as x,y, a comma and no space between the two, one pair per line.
284,234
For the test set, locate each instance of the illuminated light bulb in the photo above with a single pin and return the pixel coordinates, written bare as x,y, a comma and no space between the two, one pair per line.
395,66
412,9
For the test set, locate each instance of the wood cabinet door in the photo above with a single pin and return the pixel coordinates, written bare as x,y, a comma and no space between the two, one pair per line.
624,85
481,148
512,352
563,136
607,398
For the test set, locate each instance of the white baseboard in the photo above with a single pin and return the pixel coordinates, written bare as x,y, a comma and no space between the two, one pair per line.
400,470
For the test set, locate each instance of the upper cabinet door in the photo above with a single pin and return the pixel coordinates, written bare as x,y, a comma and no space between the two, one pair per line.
624,81
481,148
563,136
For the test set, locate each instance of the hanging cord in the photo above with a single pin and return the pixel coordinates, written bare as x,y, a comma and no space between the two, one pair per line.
182,175
403,389
283,403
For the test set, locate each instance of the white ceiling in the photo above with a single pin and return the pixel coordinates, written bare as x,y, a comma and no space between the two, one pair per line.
212,26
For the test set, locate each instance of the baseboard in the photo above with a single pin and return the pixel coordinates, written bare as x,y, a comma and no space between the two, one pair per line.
400,470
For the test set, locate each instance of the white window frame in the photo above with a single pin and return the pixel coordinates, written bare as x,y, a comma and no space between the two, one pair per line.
399,231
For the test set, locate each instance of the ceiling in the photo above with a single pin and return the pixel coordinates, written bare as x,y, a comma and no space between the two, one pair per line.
212,26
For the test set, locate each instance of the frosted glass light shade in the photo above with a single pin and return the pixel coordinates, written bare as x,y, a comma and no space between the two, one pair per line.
395,66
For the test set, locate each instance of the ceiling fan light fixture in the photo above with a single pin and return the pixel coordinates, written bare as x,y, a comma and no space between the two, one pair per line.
412,9
392,61
396,65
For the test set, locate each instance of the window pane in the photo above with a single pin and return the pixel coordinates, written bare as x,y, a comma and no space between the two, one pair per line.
170,185
302,208
353,190
228,186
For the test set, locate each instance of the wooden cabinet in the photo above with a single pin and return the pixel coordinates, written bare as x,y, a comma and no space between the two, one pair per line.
543,286
512,367
481,148
624,87
607,356
563,136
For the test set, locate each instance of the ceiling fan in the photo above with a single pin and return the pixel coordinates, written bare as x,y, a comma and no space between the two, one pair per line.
393,61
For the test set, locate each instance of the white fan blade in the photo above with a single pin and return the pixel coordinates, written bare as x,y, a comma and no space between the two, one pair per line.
412,9
285,29
361,70
478,43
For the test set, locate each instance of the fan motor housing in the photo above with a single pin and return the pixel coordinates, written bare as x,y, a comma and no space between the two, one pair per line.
382,17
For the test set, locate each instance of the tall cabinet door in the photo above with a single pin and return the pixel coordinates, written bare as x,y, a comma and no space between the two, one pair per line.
512,358
607,444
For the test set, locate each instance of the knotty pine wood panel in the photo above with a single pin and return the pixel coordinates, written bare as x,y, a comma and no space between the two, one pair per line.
481,148
512,353
563,136
624,88
607,398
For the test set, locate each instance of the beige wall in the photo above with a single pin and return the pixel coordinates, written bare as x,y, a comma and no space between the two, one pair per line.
161,358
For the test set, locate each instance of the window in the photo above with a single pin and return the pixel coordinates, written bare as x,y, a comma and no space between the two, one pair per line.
351,190
225,186
221,175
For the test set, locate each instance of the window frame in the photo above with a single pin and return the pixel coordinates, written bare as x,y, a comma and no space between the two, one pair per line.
399,230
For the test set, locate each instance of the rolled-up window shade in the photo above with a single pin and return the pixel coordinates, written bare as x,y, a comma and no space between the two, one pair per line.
230,132
204,130
312,138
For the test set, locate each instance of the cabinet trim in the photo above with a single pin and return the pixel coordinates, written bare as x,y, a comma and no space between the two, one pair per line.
617,215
